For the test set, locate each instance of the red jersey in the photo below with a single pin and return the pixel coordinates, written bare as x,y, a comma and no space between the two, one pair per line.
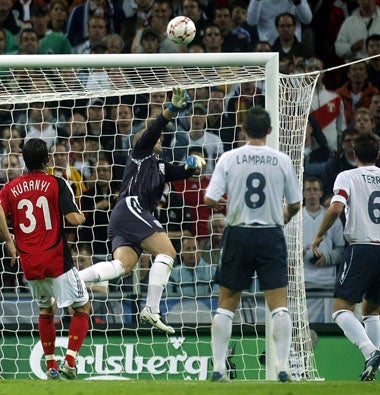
36,203
193,191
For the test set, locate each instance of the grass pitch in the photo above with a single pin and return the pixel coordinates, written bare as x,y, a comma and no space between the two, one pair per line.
174,387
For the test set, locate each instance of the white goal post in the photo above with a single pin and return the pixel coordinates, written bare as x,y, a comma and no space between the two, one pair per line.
65,84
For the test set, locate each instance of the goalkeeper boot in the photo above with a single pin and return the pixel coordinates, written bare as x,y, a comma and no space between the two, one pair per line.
283,376
154,319
370,367
217,376
67,371
53,374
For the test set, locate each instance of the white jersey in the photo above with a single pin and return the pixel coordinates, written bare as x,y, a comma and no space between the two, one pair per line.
359,190
255,178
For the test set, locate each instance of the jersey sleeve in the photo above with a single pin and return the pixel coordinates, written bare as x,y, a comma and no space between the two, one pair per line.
218,185
66,197
341,189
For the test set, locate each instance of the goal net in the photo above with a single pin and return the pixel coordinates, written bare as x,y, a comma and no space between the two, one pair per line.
88,108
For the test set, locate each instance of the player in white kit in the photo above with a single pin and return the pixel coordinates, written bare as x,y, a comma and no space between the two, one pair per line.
358,279
256,178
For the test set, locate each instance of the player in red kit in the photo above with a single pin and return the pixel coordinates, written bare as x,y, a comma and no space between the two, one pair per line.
37,203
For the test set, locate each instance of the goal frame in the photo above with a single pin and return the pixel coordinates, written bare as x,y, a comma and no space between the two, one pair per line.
271,82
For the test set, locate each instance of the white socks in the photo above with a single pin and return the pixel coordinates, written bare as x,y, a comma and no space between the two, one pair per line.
354,331
102,271
282,337
158,278
372,328
220,334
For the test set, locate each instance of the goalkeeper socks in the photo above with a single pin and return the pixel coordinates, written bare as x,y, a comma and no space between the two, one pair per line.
221,330
77,333
282,337
354,331
46,328
158,278
102,271
372,328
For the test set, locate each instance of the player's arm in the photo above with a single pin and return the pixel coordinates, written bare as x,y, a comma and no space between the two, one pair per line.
332,214
290,210
68,205
214,204
179,101
6,236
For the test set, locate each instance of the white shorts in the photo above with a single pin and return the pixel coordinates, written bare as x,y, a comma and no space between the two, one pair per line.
67,290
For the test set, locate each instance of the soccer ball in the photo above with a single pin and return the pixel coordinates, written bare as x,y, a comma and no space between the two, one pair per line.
181,30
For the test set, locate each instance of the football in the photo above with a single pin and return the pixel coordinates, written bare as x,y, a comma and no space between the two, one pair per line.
181,30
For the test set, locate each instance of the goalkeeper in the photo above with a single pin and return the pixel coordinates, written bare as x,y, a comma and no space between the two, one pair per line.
133,228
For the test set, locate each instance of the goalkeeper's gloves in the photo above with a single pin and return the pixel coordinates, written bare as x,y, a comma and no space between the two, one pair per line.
195,162
180,98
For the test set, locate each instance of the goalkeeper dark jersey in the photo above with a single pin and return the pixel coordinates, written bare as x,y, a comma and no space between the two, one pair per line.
145,175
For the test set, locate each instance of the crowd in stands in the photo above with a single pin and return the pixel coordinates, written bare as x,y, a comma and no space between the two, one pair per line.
89,140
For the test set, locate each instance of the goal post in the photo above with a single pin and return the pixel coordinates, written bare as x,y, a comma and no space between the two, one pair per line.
67,85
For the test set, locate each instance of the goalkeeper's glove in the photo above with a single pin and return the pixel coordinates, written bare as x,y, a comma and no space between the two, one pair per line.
180,99
194,162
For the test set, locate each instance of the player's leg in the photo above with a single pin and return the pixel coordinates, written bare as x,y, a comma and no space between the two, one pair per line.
70,290
371,320
357,277
42,293
221,331
125,259
282,329
344,317
160,246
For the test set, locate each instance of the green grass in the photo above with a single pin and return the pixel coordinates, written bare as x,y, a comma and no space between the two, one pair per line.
145,387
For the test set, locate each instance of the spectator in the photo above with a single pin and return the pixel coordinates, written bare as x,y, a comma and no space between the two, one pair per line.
263,46
174,215
198,136
12,166
364,21
193,190
317,153
78,26
364,121
60,167
345,161
50,42
372,45
212,39
58,16
232,42
193,276
210,247
97,203
41,123
11,140
374,107
327,107
28,43
138,19
193,10
320,273
9,19
150,41
357,92
239,22
115,43
291,51
97,30
263,13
